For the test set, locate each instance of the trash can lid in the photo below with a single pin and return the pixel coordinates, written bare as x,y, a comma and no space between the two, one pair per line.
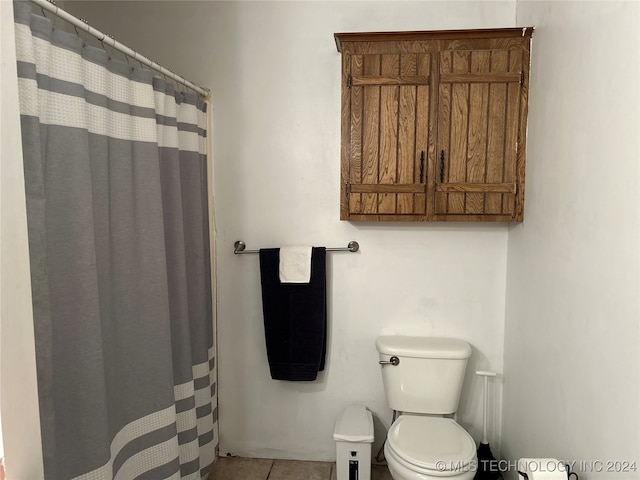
355,424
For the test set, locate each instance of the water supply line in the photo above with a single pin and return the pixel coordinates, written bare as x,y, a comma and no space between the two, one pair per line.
380,455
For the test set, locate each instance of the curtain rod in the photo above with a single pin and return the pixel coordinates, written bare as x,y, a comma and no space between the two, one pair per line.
51,6
353,246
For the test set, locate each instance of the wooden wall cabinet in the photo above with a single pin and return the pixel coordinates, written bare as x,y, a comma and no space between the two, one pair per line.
434,125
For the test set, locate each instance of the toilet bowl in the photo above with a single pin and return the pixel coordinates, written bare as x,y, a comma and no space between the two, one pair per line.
429,448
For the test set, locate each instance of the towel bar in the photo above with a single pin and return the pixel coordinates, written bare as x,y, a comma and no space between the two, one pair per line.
239,248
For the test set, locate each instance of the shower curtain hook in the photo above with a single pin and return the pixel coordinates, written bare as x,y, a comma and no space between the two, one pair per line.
43,13
86,35
177,83
113,50
55,14
104,47
165,77
152,68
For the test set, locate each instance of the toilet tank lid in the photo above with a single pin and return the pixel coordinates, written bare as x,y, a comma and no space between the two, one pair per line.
355,424
423,347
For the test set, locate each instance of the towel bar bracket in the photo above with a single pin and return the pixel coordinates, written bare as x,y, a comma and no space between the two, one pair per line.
239,247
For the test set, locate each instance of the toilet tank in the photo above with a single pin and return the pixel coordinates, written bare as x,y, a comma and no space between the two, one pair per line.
428,378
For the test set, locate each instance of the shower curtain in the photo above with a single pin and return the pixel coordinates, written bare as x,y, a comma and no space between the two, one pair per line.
116,184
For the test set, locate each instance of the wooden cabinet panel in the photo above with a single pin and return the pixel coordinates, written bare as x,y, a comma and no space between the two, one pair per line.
387,140
478,116
433,125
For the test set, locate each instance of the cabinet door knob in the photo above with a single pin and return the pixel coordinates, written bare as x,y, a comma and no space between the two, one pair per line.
421,166
441,166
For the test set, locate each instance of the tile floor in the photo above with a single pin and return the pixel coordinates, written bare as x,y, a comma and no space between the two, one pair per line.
239,468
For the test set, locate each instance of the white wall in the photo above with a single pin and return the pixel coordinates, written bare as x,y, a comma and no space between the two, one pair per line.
572,341
275,75
18,386
277,170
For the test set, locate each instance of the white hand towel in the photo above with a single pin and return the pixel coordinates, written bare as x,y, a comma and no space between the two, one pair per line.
295,264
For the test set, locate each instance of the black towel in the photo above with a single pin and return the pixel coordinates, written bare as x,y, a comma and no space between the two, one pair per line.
295,318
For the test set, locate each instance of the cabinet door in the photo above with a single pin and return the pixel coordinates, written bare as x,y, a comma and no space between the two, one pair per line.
385,112
479,115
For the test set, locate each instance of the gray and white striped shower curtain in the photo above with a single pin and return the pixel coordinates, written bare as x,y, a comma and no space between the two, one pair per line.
116,182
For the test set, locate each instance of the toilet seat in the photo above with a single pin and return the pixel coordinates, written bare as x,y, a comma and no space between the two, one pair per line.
434,445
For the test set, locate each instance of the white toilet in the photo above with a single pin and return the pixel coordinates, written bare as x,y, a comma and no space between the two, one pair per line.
423,379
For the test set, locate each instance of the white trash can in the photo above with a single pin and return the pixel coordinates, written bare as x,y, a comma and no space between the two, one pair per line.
354,435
